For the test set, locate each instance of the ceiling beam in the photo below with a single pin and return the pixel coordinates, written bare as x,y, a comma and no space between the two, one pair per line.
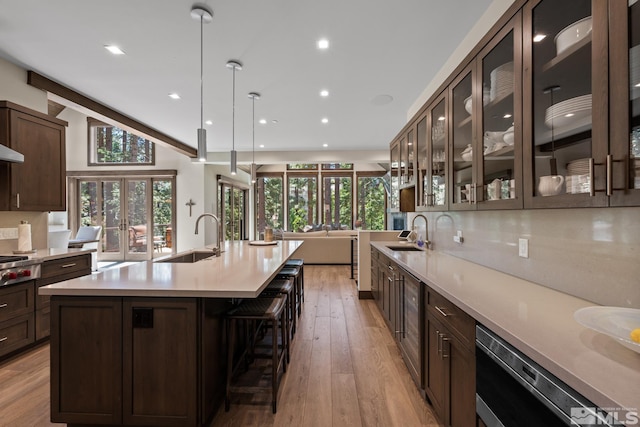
39,81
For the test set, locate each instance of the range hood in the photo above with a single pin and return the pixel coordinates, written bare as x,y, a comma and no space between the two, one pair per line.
9,155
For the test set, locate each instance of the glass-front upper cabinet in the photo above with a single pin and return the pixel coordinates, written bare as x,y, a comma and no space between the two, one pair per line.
394,196
566,134
408,151
499,155
436,196
422,163
624,74
462,132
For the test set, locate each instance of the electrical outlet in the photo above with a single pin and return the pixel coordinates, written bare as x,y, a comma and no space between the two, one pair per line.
8,233
523,248
458,237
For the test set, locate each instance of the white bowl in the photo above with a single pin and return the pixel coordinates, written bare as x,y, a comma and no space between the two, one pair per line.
508,138
467,105
617,322
572,34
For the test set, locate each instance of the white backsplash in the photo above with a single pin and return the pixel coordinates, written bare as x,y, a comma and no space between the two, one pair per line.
590,253
38,221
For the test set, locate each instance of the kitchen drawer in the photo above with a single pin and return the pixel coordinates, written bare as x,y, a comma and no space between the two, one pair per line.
43,323
16,300
16,333
459,322
66,268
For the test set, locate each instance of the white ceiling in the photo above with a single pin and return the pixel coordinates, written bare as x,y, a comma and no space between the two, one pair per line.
378,49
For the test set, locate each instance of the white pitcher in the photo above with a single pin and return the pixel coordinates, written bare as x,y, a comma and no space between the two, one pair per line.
550,185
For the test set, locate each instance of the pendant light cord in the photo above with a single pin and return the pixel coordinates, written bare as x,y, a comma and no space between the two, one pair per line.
233,112
201,72
253,144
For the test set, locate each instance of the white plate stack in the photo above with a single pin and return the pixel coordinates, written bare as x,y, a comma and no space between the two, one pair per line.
578,177
501,81
569,114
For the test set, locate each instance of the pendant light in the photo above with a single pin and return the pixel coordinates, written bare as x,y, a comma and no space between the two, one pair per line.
254,96
234,66
202,13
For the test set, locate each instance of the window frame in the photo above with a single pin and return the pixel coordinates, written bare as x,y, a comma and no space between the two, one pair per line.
369,174
283,203
92,149
297,175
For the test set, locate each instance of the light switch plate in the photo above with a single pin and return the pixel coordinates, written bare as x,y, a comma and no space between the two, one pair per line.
523,248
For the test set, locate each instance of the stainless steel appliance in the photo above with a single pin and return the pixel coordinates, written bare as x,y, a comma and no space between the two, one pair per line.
514,391
16,269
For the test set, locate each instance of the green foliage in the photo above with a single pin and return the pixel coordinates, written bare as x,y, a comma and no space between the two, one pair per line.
115,145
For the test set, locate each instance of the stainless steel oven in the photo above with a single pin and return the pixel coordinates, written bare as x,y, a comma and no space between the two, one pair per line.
514,391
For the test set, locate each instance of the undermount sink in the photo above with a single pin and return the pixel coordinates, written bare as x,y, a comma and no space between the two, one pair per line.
189,257
405,248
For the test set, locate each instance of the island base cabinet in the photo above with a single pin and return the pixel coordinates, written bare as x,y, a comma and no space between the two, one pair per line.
86,360
159,362
136,361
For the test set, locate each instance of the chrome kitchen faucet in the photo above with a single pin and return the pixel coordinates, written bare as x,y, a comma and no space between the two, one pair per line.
217,249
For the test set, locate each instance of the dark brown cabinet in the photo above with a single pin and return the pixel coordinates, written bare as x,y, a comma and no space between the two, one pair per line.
449,357
54,271
16,317
38,184
136,361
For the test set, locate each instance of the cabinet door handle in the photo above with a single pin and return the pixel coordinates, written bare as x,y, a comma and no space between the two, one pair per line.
441,311
68,265
3,339
18,200
439,343
3,305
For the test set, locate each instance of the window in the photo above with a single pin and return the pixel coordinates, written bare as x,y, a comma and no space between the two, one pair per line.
302,166
269,202
371,200
337,166
337,196
110,145
303,201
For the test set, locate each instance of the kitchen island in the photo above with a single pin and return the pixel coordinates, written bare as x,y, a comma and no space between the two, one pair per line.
145,344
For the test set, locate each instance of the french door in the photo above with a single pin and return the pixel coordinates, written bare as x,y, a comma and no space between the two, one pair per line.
136,215
232,199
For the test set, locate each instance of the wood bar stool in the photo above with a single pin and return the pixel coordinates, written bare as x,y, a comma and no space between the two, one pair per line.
298,262
269,312
284,287
293,273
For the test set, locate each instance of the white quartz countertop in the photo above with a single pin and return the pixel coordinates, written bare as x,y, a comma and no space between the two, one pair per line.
536,320
242,271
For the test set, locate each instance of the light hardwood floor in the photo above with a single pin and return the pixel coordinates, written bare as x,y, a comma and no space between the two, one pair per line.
345,370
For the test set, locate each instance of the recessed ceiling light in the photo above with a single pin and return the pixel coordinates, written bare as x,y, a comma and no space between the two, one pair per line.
441,118
325,120
263,121
274,121
409,143
325,145
539,37
323,44
261,145
569,115
208,122
324,93
114,49
174,96
507,116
